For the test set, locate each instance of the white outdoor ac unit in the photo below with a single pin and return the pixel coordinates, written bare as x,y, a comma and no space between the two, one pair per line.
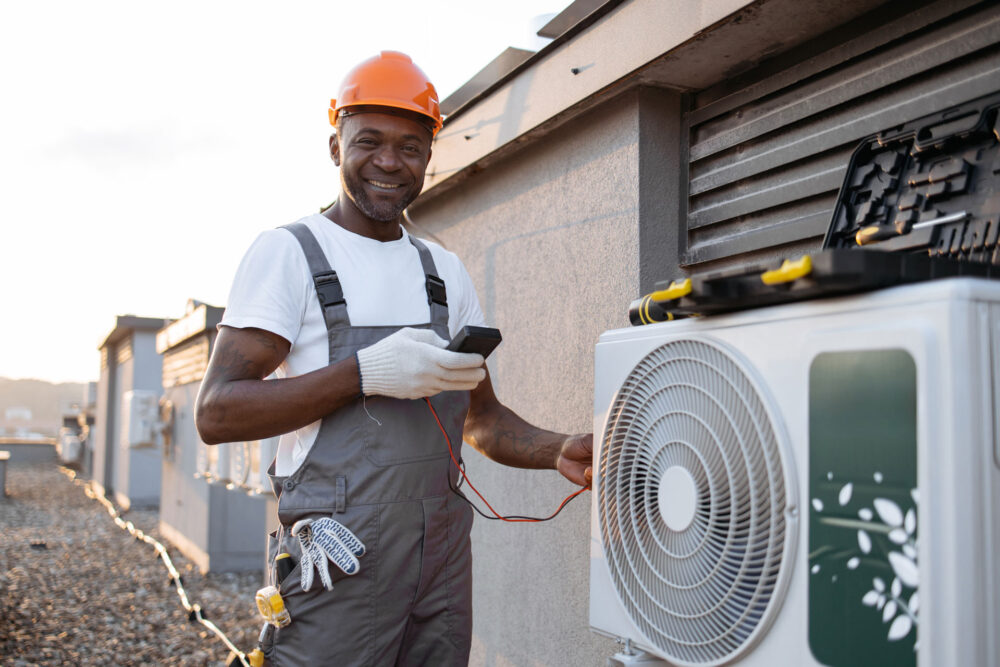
809,484
140,413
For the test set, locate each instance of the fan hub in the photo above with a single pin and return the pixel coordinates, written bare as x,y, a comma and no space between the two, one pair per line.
677,498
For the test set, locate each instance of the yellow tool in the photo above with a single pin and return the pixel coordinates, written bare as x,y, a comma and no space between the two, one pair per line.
272,607
653,307
789,271
675,290
254,658
283,565
875,233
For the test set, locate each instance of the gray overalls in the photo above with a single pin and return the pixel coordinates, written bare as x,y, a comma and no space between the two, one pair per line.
411,601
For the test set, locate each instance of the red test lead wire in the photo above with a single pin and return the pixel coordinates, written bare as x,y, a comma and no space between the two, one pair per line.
496,515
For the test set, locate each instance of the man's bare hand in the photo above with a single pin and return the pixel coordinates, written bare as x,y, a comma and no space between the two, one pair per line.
576,459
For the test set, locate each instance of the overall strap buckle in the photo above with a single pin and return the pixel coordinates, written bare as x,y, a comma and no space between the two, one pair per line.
436,292
328,289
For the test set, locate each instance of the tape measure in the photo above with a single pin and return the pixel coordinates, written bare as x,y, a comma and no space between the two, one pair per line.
256,658
272,607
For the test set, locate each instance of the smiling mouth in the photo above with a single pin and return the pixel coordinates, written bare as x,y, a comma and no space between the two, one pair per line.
383,187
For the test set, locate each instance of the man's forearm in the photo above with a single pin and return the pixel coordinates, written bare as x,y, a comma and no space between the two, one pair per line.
506,438
250,409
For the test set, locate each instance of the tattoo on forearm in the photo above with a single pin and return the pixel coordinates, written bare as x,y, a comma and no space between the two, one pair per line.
232,364
504,437
523,443
527,443
264,340
228,366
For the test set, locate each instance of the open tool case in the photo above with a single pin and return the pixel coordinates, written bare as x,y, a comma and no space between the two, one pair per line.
920,201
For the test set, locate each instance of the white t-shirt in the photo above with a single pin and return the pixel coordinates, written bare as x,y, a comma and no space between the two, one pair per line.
383,284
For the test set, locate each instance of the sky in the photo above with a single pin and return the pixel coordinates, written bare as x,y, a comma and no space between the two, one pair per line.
143,146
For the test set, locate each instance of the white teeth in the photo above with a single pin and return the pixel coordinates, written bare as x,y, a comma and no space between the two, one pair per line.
389,186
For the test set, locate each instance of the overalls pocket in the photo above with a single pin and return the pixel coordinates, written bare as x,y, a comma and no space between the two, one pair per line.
324,623
405,432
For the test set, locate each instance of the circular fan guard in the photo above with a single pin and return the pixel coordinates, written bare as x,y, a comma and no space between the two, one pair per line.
703,594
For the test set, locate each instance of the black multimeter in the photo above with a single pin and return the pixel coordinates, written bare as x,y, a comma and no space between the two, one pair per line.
481,340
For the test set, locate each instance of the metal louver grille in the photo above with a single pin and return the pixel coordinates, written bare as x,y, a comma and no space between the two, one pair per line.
698,573
766,160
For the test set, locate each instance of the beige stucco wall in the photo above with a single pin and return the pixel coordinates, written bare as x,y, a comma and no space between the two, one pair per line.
551,241
564,195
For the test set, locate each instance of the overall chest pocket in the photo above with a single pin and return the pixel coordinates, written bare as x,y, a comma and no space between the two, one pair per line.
405,432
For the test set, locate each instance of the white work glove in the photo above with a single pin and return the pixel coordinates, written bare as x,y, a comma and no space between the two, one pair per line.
325,539
412,363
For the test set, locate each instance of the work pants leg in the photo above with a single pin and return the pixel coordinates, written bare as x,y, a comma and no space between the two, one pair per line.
439,628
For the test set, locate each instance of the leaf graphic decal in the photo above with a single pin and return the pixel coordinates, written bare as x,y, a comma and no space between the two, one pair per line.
889,512
889,533
904,568
900,628
910,523
888,611
898,535
845,494
864,542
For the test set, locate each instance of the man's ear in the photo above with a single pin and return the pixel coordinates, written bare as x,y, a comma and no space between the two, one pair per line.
335,149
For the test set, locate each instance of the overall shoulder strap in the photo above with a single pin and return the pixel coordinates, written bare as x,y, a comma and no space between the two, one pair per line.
328,289
437,295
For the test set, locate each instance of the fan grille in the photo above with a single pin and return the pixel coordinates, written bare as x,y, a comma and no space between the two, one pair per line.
699,594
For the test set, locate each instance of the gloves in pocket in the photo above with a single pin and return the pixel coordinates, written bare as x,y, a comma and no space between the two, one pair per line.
323,540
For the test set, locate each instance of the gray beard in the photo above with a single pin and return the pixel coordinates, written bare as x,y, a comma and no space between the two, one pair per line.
379,211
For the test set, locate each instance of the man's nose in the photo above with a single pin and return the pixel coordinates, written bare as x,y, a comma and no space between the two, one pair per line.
386,159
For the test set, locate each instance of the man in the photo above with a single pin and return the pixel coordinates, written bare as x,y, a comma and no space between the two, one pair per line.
351,313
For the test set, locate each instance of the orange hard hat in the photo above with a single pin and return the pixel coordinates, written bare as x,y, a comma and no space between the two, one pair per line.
390,79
